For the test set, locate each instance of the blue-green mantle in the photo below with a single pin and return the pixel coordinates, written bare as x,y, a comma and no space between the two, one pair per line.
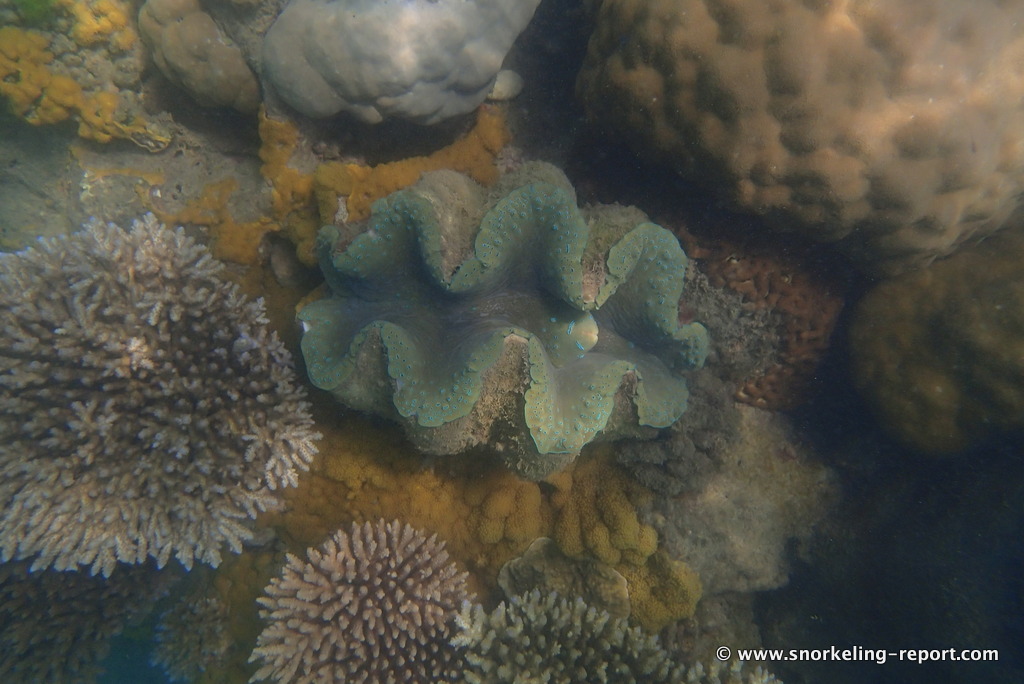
513,321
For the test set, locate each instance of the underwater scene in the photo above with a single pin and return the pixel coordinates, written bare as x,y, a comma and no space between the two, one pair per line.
511,341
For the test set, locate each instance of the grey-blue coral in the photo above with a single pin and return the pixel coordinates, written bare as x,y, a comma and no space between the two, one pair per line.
550,639
376,605
145,408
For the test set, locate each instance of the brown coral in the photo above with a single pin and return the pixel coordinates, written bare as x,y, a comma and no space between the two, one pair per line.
373,605
891,125
782,281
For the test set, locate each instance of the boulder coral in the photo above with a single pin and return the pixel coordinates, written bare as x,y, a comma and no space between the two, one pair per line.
512,321
940,353
891,126
423,60
192,52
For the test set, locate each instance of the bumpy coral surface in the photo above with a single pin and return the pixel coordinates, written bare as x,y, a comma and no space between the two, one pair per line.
145,409
193,52
425,60
894,124
547,638
512,321
373,605
940,353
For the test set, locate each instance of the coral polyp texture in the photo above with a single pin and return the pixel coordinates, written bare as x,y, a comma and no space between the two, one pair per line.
892,126
538,637
374,605
511,320
145,408
424,60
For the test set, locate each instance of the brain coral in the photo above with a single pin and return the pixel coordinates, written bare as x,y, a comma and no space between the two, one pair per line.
145,408
374,605
893,124
940,352
424,60
512,320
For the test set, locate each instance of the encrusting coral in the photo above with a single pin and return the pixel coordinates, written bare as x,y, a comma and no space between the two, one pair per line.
145,409
373,605
527,326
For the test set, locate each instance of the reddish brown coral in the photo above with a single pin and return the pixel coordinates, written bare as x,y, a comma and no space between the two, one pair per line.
786,283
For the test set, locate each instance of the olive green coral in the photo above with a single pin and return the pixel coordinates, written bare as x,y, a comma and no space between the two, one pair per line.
514,320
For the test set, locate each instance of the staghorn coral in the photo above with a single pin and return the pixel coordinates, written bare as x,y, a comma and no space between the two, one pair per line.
892,126
526,325
145,409
56,626
539,637
373,605
423,60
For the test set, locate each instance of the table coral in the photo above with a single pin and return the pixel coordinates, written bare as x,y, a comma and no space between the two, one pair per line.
513,321
893,126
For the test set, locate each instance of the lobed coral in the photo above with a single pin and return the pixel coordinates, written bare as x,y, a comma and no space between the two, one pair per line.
373,605
424,60
940,353
529,327
892,126
145,409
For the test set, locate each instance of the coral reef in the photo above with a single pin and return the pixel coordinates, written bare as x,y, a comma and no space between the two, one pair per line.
424,60
599,517
57,626
779,281
891,126
191,51
374,605
145,409
737,524
529,327
938,353
547,638
353,188
545,568
192,636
